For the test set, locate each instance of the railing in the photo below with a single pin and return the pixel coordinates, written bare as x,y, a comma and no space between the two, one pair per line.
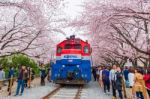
10,84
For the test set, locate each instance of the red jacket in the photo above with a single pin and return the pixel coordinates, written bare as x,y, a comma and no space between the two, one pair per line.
147,80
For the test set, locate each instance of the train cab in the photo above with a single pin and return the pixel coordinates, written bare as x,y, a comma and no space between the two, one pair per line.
73,62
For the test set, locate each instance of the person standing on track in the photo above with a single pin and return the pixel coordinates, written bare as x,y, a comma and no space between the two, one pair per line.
2,77
105,79
97,73
27,78
100,77
94,73
131,81
30,76
49,75
43,75
112,79
21,80
131,77
118,81
10,77
138,85
147,81
125,73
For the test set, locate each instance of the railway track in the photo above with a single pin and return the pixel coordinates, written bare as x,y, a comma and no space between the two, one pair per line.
65,92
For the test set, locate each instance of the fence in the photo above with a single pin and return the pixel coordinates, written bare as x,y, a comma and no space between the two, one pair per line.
8,86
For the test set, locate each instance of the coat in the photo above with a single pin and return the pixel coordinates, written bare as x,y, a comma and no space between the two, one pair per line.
138,85
105,76
11,73
22,75
2,75
118,80
43,73
147,80
125,73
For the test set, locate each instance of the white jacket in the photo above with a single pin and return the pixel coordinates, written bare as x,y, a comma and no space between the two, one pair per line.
2,75
131,79
112,75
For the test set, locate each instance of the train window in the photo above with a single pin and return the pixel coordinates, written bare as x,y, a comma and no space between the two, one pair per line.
68,46
86,49
77,46
59,50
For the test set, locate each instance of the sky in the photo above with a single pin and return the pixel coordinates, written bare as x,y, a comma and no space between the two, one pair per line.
73,9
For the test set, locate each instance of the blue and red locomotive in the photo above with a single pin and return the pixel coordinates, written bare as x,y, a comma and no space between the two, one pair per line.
73,62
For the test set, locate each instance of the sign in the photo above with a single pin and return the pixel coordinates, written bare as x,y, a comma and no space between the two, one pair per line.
70,56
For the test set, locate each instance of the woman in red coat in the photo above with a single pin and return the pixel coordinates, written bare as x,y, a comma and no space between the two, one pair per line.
147,81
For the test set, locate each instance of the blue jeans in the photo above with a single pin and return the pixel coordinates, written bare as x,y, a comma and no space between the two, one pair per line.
20,85
139,95
148,91
120,94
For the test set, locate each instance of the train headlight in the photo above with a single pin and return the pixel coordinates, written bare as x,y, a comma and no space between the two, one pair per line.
82,76
63,66
85,75
55,75
78,66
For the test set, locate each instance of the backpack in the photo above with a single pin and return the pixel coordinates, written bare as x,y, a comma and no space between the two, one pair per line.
104,75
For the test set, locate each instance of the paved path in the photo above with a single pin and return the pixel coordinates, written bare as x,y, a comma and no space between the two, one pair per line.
93,91
33,93
3,92
90,91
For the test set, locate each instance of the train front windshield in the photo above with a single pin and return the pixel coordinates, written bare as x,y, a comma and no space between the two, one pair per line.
73,46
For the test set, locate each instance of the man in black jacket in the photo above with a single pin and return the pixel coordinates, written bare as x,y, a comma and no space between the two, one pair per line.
118,80
21,80
94,73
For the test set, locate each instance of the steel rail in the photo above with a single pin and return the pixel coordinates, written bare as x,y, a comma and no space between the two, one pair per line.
78,95
49,95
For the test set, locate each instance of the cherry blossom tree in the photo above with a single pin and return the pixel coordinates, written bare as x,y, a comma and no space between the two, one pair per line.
27,27
119,29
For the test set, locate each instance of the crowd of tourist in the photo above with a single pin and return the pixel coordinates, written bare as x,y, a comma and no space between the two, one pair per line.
24,78
116,79
119,80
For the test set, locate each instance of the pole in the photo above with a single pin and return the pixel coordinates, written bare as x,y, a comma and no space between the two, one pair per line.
124,88
10,86
29,78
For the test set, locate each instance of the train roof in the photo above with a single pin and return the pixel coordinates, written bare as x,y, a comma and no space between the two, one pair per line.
72,40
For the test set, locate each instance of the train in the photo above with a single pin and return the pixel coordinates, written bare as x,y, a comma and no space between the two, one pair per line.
73,62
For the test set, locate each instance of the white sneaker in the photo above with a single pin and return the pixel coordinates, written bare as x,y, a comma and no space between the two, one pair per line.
105,93
108,92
